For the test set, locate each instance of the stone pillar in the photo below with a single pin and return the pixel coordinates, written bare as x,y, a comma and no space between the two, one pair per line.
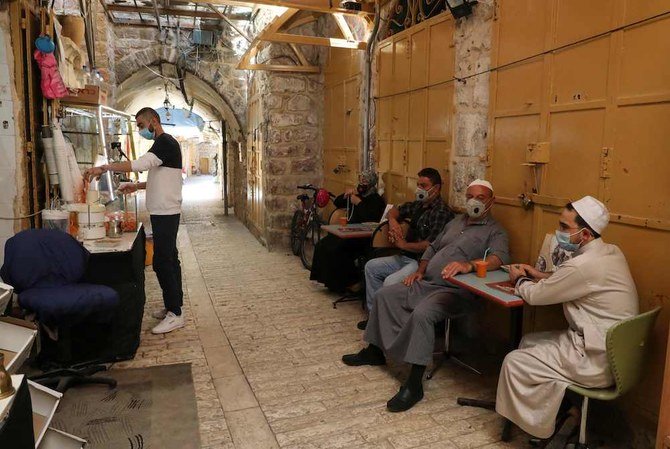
293,111
472,38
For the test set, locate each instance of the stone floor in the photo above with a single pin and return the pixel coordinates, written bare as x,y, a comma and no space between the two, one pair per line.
265,346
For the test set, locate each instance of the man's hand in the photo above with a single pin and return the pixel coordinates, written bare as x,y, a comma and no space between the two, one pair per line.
455,268
395,231
400,243
94,172
516,271
128,187
409,280
532,272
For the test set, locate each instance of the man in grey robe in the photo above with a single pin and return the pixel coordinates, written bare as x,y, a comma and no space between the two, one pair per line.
596,290
403,316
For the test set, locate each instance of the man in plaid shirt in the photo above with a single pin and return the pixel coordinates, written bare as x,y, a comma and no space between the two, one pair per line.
427,216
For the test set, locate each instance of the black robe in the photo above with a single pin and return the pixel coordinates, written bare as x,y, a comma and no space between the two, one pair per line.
333,263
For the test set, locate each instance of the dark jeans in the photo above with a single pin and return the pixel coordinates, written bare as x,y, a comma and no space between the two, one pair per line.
166,260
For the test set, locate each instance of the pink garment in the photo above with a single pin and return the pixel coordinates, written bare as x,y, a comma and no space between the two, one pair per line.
51,83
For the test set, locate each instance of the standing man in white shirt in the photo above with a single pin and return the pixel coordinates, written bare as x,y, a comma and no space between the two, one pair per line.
163,200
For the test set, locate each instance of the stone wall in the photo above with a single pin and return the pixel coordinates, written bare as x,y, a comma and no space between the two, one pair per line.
472,38
138,48
292,105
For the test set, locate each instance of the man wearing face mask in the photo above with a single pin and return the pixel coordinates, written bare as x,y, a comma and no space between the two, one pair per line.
403,316
163,200
597,290
427,217
333,262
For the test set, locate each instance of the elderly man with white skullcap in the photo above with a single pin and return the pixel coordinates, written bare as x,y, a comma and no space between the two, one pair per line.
596,290
403,316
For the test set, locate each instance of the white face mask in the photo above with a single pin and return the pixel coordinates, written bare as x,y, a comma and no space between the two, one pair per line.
422,194
475,208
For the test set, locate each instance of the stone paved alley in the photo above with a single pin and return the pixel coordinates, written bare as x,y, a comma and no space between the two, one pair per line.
265,346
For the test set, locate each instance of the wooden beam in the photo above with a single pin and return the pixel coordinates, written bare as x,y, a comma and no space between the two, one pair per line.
316,40
300,21
227,20
183,26
174,12
343,26
304,5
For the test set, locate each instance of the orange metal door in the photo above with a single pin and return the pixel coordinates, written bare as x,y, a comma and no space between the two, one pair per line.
599,111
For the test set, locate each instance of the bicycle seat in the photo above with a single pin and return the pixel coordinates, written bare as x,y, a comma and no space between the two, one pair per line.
307,187
302,197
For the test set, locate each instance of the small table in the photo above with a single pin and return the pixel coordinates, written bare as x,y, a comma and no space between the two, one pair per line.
113,245
351,231
479,287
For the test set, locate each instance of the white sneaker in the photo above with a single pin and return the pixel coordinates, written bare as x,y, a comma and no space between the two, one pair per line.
169,323
159,314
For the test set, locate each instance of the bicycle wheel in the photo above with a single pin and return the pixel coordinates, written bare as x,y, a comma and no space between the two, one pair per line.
297,228
310,238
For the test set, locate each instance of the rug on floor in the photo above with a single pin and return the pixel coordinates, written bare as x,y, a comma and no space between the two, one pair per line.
151,408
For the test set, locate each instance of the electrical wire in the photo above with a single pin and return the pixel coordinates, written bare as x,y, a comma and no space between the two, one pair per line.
537,55
22,218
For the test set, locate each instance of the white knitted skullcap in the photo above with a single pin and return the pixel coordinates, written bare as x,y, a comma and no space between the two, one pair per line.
481,182
593,212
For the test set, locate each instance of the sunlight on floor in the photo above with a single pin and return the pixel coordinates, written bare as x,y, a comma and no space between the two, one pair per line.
201,188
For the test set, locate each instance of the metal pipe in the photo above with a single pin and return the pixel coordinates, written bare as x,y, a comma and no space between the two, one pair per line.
225,167
369,54
103,143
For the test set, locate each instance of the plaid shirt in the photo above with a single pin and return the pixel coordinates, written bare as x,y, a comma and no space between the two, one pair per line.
426,220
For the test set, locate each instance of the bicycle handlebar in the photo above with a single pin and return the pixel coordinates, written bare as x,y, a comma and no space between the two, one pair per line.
314,189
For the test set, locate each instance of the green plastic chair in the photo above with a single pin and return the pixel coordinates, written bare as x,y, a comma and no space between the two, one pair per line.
626,344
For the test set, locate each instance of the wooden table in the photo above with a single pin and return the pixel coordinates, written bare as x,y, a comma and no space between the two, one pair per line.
351,231
514,303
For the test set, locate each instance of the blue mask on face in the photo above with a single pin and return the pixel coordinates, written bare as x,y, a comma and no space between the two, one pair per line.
149,135
564,242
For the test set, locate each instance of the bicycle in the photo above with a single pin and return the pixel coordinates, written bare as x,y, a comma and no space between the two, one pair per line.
307,225
298,223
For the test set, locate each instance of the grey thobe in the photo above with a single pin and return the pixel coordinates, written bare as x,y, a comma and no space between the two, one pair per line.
596,290
402,318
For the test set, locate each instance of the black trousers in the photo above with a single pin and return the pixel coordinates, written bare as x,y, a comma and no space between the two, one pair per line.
166,260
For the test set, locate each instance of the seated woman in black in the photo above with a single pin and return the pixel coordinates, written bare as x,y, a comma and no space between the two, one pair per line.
333,263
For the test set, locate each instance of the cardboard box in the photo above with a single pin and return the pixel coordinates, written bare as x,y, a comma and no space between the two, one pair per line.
93,95
45,401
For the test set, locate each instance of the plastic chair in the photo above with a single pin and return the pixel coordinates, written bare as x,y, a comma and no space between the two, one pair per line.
626,351
335,216
380,237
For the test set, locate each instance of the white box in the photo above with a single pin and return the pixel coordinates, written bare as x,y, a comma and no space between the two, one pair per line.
45,401
57,439
17,339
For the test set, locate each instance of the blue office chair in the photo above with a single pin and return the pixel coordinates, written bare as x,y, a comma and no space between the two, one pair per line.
45,266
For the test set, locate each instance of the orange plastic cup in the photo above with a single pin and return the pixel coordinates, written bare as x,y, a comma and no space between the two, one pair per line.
481,266
343,221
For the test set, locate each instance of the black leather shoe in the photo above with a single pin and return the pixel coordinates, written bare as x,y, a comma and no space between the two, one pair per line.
404,400
362,325
364,357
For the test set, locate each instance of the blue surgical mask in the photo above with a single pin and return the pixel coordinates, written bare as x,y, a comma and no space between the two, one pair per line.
564,242
149,135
